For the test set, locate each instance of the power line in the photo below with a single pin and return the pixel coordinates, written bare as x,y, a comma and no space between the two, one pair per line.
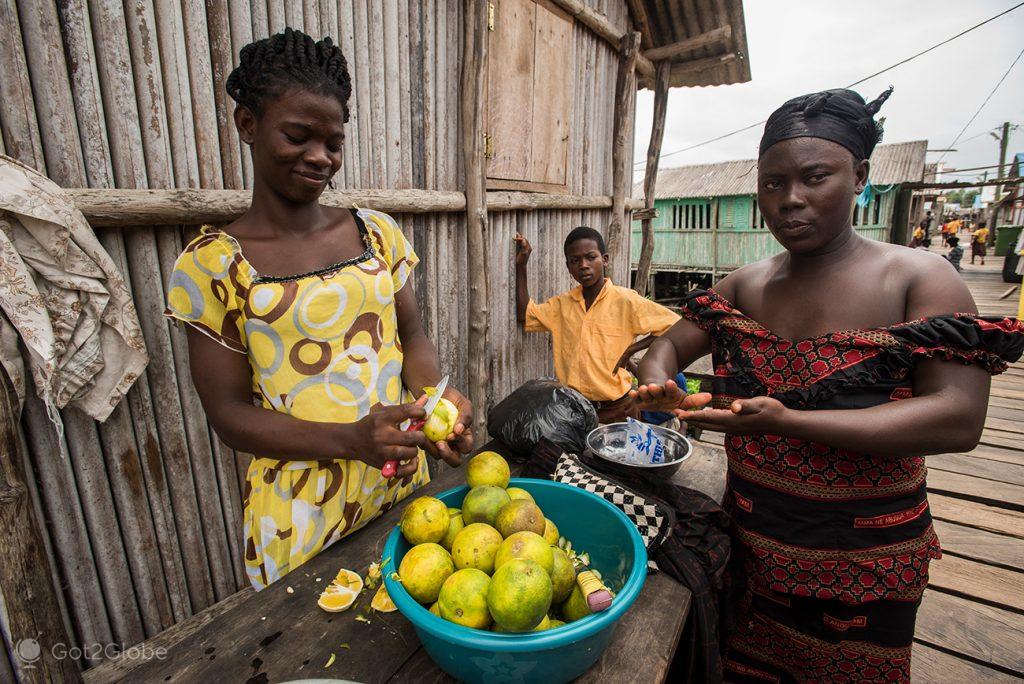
973,137
973,168
951,38
975,115
858,82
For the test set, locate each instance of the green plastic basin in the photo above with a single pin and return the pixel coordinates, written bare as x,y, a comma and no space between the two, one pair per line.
557,655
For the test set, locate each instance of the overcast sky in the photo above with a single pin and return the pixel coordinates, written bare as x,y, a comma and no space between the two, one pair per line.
802,46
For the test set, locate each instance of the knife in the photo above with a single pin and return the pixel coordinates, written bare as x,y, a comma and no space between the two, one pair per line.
390,467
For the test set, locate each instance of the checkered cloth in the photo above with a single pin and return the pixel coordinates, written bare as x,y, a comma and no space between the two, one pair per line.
650,521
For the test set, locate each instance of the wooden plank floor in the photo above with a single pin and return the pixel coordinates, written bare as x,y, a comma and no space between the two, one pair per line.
971,623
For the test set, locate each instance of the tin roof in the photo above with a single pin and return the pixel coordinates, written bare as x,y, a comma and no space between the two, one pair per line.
666,22
893,163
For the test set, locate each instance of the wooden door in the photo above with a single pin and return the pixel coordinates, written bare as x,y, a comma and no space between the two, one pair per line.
529,96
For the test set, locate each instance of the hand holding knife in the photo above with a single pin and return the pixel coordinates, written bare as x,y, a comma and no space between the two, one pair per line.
390,467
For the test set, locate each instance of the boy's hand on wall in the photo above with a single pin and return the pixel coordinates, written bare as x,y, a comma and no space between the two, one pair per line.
523,249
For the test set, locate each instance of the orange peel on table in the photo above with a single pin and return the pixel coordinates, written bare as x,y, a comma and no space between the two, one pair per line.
381,602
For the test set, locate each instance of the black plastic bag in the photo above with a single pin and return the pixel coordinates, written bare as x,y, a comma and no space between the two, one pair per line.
543,409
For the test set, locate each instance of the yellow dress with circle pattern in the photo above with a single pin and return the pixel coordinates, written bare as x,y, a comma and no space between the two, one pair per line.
322,347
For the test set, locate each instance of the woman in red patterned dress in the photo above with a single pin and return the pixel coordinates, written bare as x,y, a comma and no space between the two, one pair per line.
840,364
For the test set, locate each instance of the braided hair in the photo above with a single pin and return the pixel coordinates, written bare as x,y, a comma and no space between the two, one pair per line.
269,67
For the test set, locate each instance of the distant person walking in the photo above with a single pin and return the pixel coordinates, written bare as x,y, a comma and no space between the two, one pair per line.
926,223
952,227
956,253
917,238
979,242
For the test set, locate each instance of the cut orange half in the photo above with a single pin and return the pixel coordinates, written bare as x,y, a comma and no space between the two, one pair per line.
337,601
381,602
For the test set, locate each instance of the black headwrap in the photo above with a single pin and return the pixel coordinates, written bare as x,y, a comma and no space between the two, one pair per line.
838,115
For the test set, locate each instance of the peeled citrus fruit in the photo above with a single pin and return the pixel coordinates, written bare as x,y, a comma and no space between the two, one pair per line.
381,602
518,493
425,520
482,504
476,546
563,575
550,532
463,599
519,595
424,569
441,422
528,545
487,468
455,525
519,516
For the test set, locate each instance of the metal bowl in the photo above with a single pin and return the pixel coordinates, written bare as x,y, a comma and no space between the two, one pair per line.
606,441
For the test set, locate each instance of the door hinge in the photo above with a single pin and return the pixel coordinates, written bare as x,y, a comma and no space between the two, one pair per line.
488,147
490,16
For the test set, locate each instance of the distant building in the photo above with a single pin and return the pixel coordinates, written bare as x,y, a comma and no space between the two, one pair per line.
708,221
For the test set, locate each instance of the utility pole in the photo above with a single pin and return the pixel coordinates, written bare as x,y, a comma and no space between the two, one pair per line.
1004,140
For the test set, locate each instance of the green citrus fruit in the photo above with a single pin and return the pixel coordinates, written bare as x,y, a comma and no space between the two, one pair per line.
563,575
487,468
519,516
529,545
483,503
552,624
519,493
455,525
424,569
519,595
425,520
475,547
575,607
434,609
550,532
463,599
544,624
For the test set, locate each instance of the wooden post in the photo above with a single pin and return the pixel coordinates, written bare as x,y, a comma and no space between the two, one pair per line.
901,216
471,108
31,614
643,270
625,97
603,27
714,239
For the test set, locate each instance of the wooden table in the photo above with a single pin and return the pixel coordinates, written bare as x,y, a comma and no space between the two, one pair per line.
280,634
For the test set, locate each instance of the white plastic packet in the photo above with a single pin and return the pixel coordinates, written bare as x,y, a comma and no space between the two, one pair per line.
644,445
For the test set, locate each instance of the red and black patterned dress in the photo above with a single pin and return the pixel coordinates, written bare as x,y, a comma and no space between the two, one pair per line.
834,546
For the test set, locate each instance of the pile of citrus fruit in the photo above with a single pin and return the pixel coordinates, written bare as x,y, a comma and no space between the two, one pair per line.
497,563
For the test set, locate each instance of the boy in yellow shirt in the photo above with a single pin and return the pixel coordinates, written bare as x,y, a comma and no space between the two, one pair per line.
594,327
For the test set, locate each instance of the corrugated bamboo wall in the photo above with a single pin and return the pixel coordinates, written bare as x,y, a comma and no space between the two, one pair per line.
143,519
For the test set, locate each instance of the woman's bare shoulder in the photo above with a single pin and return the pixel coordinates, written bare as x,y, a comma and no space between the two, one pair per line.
932,286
